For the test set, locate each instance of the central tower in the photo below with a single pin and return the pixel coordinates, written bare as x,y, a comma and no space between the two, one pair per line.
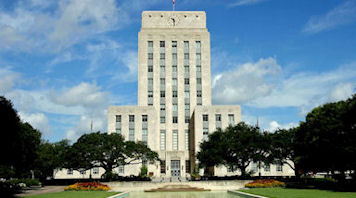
174,112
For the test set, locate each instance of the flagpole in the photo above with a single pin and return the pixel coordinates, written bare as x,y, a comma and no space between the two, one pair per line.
174,4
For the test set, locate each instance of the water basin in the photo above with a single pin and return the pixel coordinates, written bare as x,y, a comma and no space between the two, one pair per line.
207,194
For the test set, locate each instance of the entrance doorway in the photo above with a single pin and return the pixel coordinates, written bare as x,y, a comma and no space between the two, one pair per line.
175,168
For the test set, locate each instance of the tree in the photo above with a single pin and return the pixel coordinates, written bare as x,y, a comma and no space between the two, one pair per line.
51,157
108,151
28,144
210,153
235,147
10,123
324,140
283,148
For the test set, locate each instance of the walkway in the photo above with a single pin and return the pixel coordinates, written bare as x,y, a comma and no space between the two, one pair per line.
46,189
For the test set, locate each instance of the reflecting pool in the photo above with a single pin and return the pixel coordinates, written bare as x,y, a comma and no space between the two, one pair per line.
206,194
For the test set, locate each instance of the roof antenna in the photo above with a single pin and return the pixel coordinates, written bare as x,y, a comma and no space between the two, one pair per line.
91,126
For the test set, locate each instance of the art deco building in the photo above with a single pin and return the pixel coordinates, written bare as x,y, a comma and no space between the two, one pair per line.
174,112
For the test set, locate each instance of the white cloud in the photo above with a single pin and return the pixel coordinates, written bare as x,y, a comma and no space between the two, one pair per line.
246,82
341,15
274,125
263,85
244,2
38,121
7,80
84,94
341,91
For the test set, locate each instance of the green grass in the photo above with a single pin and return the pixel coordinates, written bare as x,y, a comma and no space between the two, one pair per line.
298,193
75,194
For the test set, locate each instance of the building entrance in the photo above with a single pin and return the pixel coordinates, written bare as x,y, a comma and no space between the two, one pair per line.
175,168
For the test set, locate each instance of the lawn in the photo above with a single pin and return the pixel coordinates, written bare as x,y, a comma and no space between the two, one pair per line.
75,194
298,193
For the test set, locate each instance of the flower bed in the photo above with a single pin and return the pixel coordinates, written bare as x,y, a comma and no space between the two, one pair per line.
88,186
265,183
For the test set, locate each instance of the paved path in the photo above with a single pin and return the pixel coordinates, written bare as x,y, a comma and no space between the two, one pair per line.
46,189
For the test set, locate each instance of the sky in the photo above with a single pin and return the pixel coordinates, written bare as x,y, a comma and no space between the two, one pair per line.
63,62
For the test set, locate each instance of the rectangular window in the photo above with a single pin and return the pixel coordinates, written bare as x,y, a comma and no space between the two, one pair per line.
199,81
70,171
231,119
205,118
150,68
162,81
174,57
205,134
162,107
162,56
163,69
267,168
150,56
187,107
163,94
186,139
187,119
198,57
198,46
186,56
174,82
198,68
254,167
187,166
175,140
163,167
150,94
95,170
162,119
199,93
279,167
144,136
175,107
121,169
186,81
186,69
174,44
150,82
162,44
163,140
186,94
131,134
144,118
118,118
150,44
218,117
175,119
186,46
131,118
118,131
174,94
174,68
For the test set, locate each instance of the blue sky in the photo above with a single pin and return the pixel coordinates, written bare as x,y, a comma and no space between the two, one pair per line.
62,63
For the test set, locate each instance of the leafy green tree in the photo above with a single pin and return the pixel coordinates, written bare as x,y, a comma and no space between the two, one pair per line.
283,148
10,123
51,157
235,147
108,151
324,141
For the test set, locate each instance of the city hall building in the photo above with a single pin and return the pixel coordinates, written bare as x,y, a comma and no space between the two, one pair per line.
174,112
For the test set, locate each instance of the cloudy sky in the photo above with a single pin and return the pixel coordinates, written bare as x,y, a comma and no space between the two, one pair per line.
63,62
